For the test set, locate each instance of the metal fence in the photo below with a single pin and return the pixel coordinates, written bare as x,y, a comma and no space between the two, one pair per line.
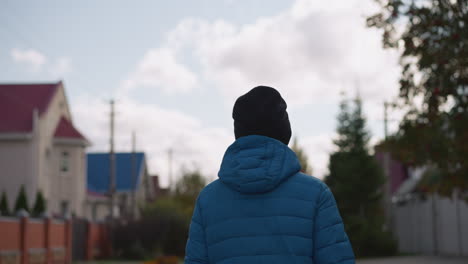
79,241
432,226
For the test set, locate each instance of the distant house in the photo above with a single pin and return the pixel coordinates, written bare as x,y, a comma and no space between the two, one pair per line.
131,178
41,148
422,222
158,191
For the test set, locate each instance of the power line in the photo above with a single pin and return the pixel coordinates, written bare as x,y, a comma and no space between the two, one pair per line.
386,120
111,164
134,176
169,156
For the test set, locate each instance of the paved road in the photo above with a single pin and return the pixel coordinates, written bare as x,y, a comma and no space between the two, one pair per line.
415,260
393,260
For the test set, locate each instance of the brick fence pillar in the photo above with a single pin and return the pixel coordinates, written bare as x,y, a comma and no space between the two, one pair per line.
48,239
68,241
89,244
24,247
107,239
104,242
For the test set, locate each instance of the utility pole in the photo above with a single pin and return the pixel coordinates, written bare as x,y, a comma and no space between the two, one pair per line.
386,169
112,165
386,104
169,158
134,176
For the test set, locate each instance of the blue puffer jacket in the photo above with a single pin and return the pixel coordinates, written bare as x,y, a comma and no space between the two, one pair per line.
263,210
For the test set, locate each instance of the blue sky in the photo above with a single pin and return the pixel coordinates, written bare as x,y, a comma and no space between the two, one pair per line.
176,68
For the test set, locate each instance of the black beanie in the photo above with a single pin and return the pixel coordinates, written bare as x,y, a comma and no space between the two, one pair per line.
262,111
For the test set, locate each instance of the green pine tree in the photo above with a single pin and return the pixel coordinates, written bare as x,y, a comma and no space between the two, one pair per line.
4,210
40,205
21,200
356,180
301,155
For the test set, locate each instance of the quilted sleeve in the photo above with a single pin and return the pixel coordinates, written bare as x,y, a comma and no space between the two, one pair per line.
195,250
331,244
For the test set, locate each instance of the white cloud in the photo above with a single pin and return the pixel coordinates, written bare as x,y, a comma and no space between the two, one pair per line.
318,149
159,68
309,52
61,66
38,62
158,129
33,58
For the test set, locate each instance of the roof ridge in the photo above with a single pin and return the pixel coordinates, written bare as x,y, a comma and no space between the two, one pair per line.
51,96
66,129
18,101
30,83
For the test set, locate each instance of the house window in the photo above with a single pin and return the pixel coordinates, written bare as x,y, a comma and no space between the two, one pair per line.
64,208
64,162
94,211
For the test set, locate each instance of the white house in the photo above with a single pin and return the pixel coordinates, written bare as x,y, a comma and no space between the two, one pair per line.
40,147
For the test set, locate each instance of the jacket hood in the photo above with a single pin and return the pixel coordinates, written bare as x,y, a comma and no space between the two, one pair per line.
256,164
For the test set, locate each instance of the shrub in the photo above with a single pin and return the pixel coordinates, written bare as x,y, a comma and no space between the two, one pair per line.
162,230
4,209
39,206
21,200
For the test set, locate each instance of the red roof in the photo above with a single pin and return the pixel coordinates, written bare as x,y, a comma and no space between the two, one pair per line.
65,129
18,101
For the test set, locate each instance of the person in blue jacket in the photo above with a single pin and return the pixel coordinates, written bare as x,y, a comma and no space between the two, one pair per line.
262,209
